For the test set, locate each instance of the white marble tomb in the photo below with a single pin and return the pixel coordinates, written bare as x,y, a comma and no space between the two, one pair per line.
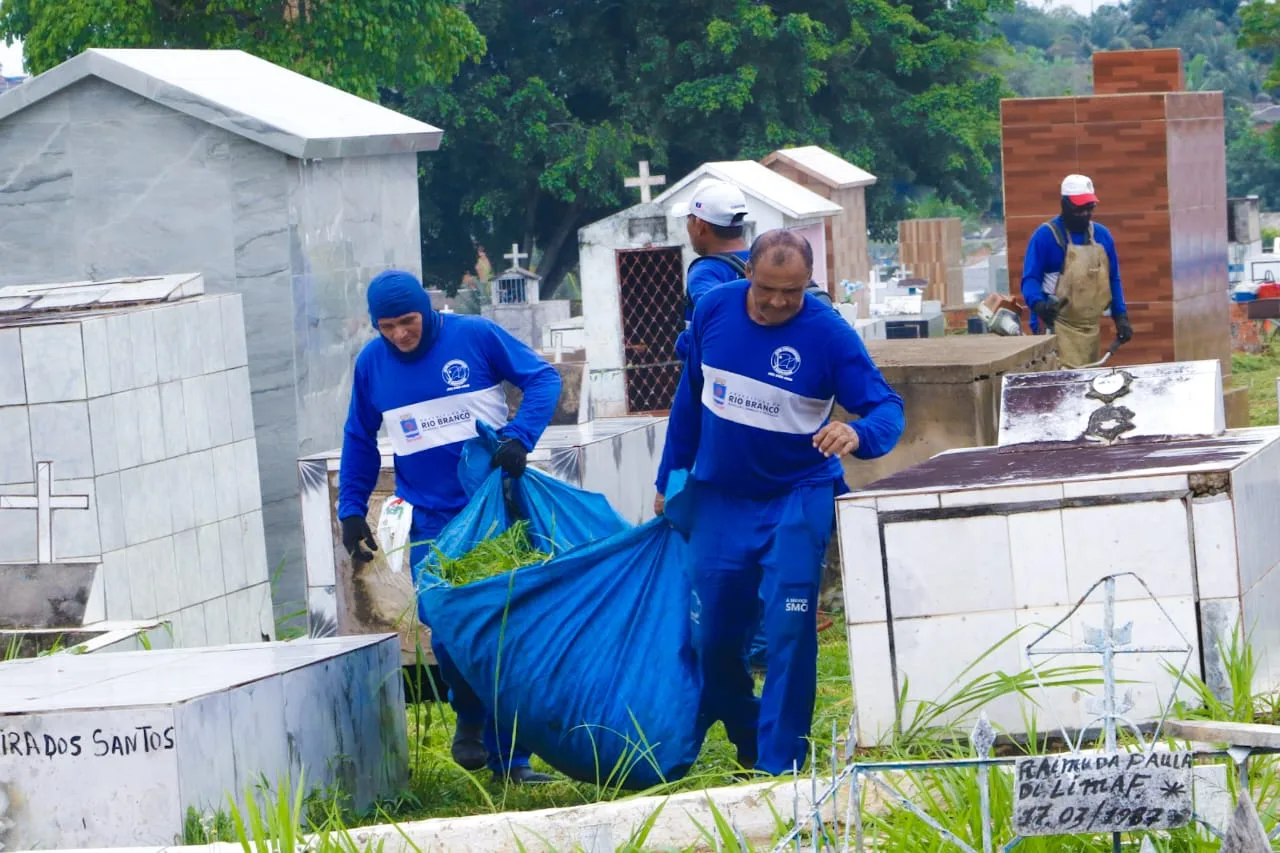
126,404
616,457
112,750
943,560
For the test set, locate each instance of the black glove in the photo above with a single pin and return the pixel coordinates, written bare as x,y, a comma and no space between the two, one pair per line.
511,457
1047,310
1124,331
355,530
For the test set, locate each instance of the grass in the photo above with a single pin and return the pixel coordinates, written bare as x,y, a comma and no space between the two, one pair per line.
1258,373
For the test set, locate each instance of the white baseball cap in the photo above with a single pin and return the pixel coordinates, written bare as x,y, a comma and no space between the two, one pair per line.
716,202
1079,190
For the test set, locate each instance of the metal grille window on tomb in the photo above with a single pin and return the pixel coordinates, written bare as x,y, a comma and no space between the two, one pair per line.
511,290
652,296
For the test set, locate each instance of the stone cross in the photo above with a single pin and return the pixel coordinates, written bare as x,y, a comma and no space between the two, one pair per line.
645,181
44,503
516,255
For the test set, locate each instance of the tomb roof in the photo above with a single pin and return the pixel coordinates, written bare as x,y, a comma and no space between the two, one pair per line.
819,163
764,184
26,303
244,95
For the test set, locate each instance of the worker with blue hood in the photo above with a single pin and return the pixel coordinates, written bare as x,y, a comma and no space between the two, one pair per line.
430,377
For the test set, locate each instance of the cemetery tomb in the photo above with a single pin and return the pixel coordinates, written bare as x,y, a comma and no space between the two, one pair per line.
1096,472
1157,156
633,280
112,750
933,250
616,457
287,191
951,390
516,305
128,465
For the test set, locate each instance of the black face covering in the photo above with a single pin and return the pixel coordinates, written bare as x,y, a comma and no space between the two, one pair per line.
1075,219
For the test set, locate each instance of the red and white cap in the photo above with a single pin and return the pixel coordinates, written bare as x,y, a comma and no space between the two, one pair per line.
1079,190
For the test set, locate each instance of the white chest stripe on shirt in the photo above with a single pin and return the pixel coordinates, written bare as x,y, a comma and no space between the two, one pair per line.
753,403
444,420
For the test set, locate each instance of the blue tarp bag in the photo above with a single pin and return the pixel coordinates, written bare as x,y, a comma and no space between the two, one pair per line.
588,657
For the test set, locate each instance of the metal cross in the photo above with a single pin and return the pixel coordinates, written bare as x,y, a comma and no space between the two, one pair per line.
516,255
44,503
645,181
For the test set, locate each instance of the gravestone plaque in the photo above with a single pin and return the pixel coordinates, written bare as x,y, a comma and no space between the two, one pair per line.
1086,794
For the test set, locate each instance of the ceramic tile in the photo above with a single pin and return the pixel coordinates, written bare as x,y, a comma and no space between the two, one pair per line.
151,438
169,334
246,467
60,434
1058,706
1038,557
240,403
217,409
1124,486
197,415
254,544
174,419
1255,490
182,498
128,431
862,568
146,503
95,609
242,616
53,363
226,481
872,673
212,351
12,386
233,337
18,529
1260,602
234,571
1219,624
1010,494
165,574
194,623
209,582
16,464
905,502
190,358
215,622
976,575
110,505
186,568
1148,538
142,580
103,438
115,573
202,486
120,353
1217,572
206,764
142,333
75,531
97,357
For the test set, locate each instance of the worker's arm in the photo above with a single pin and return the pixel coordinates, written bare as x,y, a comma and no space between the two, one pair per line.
537,380
684,425
862,390
1040,260
361,461
1108,243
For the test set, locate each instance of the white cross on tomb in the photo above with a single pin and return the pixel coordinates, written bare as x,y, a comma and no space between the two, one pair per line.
516,255
645,181
44,503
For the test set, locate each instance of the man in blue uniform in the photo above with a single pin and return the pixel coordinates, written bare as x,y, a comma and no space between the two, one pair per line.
429,377
713,217
751,421
1071,276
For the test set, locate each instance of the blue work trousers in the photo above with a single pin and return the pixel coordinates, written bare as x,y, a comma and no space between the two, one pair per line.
469,707
745,551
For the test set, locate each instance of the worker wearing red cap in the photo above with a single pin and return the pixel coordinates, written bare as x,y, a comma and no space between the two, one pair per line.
1071,277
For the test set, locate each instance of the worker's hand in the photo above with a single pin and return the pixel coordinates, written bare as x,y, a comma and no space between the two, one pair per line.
1124,330
836,439
1047,310
355,530
511,457
659,503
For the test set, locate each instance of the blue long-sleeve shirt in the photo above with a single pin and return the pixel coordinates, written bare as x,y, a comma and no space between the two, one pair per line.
1043,265
431,406
752,397
704,276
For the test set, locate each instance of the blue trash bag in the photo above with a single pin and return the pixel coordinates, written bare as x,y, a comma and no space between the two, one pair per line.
589,656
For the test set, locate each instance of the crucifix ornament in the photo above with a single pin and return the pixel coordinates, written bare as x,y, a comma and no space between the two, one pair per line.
516,256
645,182
44,503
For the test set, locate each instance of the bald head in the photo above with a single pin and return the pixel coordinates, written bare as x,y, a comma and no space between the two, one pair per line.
779,270
775,248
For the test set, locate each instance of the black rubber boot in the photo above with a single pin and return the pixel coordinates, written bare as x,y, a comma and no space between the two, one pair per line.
468,747
523,776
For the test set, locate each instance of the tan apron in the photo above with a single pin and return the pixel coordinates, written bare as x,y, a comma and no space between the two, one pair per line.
1086,285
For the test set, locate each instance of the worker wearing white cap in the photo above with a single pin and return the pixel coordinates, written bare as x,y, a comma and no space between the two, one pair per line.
1071,276
713,216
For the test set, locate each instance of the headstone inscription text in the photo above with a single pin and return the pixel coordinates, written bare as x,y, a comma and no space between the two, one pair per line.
1084,794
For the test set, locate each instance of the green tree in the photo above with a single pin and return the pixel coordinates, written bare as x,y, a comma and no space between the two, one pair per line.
571,95
1158,16
356,45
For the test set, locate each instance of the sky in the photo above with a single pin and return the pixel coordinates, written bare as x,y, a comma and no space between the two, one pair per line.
11,57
